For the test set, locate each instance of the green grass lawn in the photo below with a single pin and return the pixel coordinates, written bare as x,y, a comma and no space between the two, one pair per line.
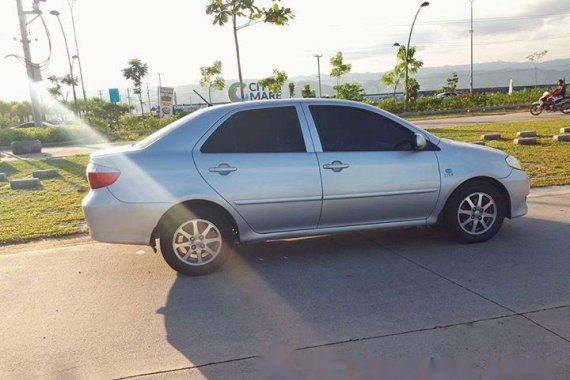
547,163
55,209
50,211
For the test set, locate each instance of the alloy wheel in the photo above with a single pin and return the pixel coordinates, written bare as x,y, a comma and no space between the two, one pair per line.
197,242
477,213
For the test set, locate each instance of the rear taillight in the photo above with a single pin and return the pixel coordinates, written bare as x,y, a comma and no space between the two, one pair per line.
98,180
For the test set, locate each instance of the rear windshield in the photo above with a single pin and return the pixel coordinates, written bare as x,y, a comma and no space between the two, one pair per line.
148,141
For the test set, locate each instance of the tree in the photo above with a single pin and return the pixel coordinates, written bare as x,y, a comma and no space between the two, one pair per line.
105,112
5,108
275,82
308,92
225,11
339,68
404,56
451,85
69,81
413,89
535,59
350,91
136,71
55,89
23,110
393,78
291,90
211,78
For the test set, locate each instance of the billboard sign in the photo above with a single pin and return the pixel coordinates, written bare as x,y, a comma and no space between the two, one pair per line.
253,91
114,96
166,101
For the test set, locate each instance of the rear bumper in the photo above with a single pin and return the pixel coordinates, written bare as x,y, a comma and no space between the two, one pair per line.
518,186
112,221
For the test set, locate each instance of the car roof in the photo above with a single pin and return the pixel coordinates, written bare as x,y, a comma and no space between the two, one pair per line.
283,102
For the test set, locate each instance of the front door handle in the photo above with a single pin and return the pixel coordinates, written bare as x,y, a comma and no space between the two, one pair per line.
336,166
223,169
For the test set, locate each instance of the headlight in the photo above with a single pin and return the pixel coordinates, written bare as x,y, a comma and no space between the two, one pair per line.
514,163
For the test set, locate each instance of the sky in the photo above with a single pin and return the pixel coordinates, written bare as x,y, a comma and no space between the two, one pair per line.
176,37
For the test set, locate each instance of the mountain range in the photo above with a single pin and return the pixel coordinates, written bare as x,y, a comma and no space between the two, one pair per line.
486,75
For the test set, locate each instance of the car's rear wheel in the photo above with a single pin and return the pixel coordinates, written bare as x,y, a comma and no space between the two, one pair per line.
195,242
475,212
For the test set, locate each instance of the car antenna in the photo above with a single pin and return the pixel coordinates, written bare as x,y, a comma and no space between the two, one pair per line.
204,99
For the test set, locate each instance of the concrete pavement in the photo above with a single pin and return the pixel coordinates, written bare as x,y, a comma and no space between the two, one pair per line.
357,305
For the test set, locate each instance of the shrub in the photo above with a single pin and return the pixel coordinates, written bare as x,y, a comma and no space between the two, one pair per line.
433,104
48,135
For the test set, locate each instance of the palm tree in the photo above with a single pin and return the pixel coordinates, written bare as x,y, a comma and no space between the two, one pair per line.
413,64
136,71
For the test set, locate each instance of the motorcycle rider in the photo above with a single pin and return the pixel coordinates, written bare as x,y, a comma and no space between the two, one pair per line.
558,94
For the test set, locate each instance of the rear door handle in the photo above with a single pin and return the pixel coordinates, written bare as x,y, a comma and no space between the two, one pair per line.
336,166
223,169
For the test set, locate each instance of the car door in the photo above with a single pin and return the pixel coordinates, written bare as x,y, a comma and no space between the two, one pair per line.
261,160
370,171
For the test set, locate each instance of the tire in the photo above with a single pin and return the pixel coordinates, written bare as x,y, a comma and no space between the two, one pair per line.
195,241
565,108
460,217
536,109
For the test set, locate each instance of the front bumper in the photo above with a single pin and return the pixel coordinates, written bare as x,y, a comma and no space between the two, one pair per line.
112,221
518,186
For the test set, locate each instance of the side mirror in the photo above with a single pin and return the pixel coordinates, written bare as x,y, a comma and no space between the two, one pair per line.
420,142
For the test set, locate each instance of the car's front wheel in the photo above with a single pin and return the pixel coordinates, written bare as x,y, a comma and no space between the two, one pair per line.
475,212
195,242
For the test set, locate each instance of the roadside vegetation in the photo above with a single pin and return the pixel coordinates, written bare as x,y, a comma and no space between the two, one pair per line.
51,211
54,210
545,163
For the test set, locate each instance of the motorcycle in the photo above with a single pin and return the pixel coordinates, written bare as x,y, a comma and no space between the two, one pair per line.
543,104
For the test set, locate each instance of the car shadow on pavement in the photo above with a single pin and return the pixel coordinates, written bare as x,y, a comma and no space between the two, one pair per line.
274,299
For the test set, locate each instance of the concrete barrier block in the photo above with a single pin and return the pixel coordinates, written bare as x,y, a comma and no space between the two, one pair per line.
562,137
491,137
565,130
478,142
46,174
526,141
526,134
26,147
3,177
28,183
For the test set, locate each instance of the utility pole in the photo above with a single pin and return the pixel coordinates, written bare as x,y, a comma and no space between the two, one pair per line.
148,96
71,3
129,96
76,108
100,92
159,87
28,62
318,57
471,31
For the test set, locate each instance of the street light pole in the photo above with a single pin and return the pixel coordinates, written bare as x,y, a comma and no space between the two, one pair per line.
56,14
407,55
70,3
318,57
471,31
29,65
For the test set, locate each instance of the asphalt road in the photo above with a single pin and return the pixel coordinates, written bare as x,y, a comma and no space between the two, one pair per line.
486,119
348,306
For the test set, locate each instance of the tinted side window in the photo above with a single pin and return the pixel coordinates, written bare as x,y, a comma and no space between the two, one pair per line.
348,129
269,130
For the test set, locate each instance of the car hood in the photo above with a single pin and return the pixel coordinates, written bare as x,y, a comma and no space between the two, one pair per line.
474,148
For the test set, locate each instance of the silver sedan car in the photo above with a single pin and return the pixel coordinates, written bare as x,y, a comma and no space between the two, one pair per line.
279,169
